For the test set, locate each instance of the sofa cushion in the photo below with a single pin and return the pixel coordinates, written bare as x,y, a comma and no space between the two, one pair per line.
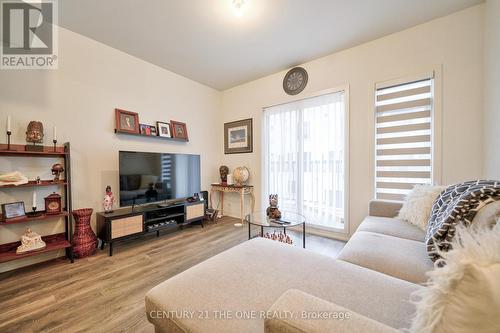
418,204
392,227
299,312
402,258
252,276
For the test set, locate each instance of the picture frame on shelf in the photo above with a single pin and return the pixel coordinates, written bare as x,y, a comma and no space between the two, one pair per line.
145,129
13,210
179,130
127,121
238,136
153,130
164,129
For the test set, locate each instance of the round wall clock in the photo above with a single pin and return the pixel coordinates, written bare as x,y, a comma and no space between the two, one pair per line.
295,81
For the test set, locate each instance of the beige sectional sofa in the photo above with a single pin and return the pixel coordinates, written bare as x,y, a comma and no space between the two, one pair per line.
262,285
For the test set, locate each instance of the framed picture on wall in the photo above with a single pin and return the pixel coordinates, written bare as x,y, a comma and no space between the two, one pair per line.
164,129
127,121
238,137
179,130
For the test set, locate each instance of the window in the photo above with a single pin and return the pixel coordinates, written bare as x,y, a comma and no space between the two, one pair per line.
304,158
404,121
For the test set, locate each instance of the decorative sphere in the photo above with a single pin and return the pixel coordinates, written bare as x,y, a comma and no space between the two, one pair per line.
240,175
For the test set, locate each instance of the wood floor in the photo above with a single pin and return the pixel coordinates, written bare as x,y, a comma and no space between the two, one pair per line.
106,294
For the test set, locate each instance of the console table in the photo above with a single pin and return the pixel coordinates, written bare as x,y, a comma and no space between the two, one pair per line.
241,190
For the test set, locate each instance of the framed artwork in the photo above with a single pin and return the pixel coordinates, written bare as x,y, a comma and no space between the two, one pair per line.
179,130
164,129
127,121
13,210
238,137
145,129
153,130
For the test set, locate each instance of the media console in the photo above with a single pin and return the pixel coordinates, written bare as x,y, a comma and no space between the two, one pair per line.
127,222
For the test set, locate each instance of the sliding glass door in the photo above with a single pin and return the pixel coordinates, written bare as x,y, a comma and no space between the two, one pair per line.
304,158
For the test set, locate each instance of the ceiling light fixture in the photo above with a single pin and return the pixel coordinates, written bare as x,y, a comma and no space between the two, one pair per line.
239,6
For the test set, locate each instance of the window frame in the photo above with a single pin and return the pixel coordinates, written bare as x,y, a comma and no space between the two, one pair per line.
315,229
436,121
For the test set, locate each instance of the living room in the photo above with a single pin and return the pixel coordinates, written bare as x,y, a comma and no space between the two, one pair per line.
250,166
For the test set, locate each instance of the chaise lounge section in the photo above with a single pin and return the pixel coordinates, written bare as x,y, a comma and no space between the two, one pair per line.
243,288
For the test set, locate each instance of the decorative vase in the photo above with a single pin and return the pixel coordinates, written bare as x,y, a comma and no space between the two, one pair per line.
84,239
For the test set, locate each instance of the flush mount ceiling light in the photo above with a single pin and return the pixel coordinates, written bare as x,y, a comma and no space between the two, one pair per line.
239,6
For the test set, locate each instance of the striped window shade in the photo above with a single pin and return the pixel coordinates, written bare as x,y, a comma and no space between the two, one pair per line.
403,138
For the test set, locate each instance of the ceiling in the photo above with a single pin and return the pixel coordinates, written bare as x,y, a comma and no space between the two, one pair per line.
203,40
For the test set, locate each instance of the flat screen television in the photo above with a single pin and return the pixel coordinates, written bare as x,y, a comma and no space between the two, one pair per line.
155,177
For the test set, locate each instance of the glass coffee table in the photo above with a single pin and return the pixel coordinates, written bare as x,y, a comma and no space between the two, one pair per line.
287,220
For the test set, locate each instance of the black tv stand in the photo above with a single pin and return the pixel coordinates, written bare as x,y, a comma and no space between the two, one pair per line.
141,220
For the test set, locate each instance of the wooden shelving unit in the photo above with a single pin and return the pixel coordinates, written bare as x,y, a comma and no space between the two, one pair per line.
19,150
35,184
55,241
37,218
149,136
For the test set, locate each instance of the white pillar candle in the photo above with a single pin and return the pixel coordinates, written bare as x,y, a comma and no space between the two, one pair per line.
8,123
55,133
34,199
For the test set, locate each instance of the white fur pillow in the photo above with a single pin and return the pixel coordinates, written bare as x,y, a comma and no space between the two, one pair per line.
464,294
418,204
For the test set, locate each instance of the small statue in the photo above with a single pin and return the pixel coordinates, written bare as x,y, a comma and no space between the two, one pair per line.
30,241
109,201
57,169
272,211
223,171
34,133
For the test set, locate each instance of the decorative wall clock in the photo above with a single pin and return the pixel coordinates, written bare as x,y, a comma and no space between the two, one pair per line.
295,81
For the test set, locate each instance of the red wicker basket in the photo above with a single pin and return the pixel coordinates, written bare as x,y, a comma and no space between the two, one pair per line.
84,239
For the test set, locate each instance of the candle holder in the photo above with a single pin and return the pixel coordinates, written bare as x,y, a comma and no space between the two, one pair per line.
8,139
55,142
34,213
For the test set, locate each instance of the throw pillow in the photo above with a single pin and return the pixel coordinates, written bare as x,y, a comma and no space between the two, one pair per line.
463,295
418,204
488,214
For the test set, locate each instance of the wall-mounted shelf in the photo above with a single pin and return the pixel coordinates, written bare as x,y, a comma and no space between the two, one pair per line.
35,184
150,136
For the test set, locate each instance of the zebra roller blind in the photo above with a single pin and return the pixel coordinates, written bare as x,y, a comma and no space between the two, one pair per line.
403,138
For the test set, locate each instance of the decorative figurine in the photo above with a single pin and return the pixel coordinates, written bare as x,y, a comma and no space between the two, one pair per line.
57,169
223,171
109,200
272,211
30,241
34,134
38,180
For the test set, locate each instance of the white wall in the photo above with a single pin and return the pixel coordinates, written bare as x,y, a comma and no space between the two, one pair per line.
453,43
79,98
492,89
